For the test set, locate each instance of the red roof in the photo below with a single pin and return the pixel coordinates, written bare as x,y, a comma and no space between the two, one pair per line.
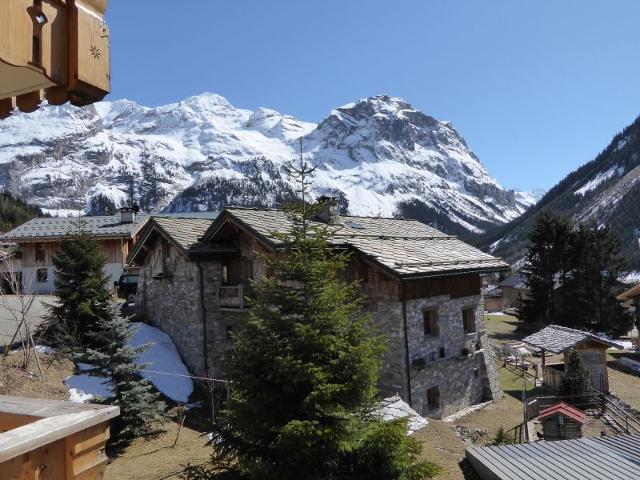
565,409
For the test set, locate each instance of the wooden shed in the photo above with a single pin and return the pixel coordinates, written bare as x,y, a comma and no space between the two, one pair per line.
52,440
560,340
561,421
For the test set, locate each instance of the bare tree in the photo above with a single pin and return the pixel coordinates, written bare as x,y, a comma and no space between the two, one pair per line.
17,297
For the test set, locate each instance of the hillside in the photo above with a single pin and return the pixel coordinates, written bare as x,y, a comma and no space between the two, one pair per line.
605,191
379,156
14,212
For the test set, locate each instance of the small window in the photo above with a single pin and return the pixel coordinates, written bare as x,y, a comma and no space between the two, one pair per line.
442,352
430,322
433,398
224,275
40,253
432,356
42,275
469,320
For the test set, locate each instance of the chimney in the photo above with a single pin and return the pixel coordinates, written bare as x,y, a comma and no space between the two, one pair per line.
128,214
328,210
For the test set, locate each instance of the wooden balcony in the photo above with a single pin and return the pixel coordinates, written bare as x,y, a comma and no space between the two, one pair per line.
231,296
52,439
54,49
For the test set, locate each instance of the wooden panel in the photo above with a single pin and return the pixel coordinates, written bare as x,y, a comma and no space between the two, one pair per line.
9,421
46,462
16,32
455,285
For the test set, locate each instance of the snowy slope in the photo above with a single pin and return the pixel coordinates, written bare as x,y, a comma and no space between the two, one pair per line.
379,156
604,191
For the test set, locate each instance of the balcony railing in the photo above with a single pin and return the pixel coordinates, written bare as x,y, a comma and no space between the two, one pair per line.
231,296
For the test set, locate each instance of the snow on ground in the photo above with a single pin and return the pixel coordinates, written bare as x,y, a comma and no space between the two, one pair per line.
598,179
160,356
631,277
394,407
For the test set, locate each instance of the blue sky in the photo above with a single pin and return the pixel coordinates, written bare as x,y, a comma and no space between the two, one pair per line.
536,87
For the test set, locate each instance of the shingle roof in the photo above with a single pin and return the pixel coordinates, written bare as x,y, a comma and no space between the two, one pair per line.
597,458
185,231
513,281
562,408
557,339
108,226
405,247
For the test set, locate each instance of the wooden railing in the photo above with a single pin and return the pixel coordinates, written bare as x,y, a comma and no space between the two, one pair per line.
231,296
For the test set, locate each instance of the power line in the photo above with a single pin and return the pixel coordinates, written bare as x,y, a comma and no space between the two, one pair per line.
187,376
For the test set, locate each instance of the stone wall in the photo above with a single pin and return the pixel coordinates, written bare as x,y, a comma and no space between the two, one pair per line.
173,304
387,318
464,372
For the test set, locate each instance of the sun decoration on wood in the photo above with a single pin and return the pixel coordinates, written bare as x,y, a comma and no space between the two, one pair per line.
95,52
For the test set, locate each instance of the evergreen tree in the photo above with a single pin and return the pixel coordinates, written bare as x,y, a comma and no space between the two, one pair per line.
545,262
83,298
501,437
576,383
572,273
304,373
113,357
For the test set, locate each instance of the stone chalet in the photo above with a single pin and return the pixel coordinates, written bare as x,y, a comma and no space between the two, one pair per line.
422,288
36,242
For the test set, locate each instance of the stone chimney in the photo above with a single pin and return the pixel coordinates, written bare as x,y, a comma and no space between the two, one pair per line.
128,214
328,210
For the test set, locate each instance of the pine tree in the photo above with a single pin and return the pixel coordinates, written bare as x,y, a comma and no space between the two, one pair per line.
576,382
83,298
113,357
545,263
304,373
501,437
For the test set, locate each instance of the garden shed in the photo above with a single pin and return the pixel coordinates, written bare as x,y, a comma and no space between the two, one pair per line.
560,340
562,421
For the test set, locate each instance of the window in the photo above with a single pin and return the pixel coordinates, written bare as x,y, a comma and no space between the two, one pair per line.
469,320
433,398
442,352
42,275
40,253
224,275
432,356
430,322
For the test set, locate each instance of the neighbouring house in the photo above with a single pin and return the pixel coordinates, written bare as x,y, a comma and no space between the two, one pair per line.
493,300
560,340
631,299
37,241
561,421
514,290
422,288
598,458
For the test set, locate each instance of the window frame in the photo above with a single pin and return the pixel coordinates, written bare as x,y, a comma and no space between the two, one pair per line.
466,321
40,253
430,322
42,278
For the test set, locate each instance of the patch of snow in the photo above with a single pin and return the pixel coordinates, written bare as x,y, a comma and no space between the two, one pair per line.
44,350
598,179
162,356
621,143
393,408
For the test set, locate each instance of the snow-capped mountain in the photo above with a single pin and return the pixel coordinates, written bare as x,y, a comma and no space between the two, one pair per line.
379,156
605,191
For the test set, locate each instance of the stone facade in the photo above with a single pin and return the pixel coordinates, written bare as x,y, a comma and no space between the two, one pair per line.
180,295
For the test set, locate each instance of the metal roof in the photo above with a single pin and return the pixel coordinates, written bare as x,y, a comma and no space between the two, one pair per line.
562,408
558,339
598,458
407,248
53,228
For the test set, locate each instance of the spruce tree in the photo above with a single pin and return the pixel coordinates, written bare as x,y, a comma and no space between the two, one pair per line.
304,373
81,287
113,357
576,383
